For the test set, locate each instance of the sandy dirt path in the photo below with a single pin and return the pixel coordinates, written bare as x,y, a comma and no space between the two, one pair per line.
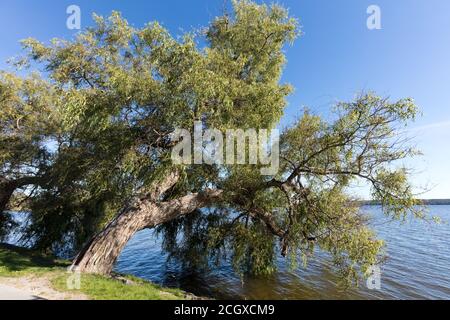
11,293
33,288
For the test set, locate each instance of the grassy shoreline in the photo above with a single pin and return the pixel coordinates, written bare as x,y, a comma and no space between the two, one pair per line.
19,265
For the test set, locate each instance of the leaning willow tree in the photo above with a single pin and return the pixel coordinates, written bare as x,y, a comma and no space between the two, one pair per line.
117,93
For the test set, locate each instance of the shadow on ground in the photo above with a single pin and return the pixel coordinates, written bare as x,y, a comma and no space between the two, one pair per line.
15,259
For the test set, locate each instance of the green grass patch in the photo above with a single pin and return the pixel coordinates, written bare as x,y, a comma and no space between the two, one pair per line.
101,288
17,262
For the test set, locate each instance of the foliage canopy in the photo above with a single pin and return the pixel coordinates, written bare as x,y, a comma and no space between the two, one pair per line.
95,129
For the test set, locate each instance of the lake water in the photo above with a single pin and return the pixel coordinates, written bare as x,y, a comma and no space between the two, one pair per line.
417,267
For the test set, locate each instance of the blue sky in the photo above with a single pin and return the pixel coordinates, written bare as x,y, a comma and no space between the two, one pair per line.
336,57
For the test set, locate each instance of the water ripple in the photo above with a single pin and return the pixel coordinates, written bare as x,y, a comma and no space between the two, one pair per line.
418,267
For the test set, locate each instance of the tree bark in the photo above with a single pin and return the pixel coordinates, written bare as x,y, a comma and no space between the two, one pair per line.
101,253
7,189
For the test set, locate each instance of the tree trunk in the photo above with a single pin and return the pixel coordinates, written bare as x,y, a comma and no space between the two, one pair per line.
101,253
6,191
7,188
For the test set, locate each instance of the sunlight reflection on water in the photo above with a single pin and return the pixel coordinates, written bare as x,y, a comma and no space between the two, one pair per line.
418,267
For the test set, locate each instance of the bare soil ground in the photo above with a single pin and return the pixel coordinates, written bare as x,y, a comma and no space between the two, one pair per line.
40,286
